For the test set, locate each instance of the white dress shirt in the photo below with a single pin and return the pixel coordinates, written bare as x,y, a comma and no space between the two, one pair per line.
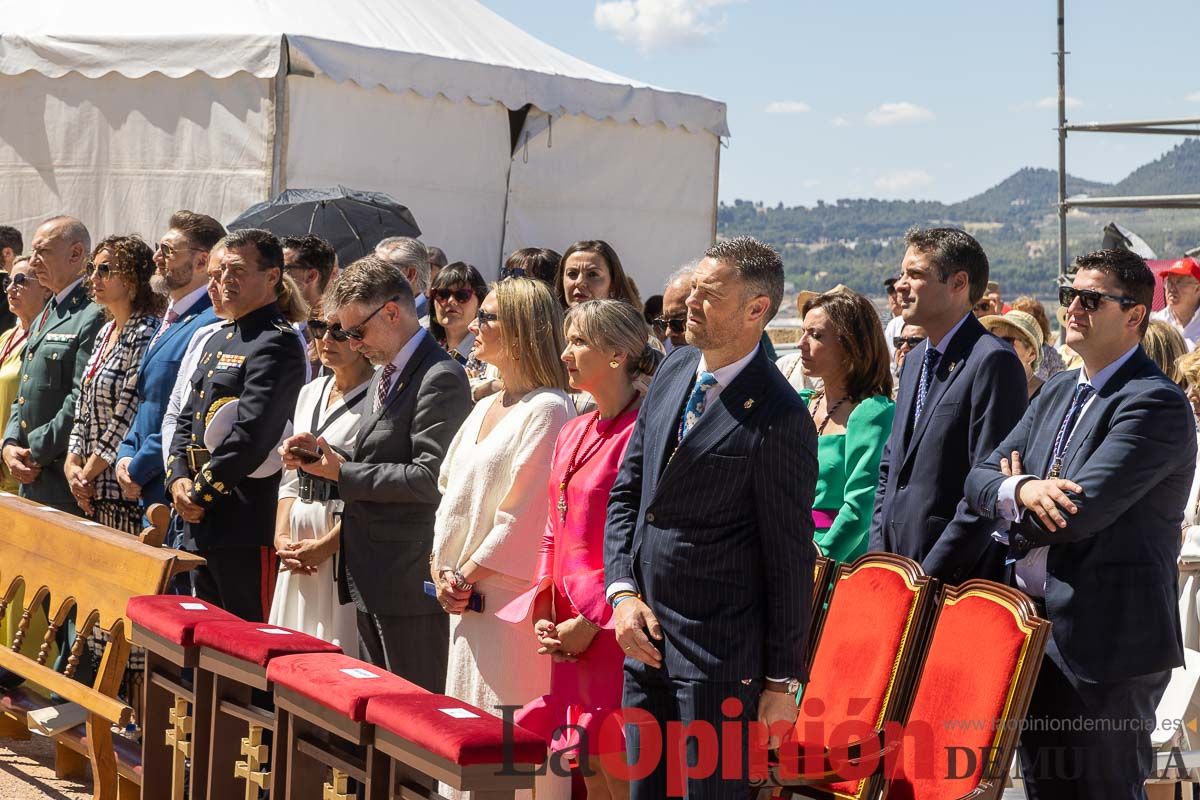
1190,332
184,304
1031,570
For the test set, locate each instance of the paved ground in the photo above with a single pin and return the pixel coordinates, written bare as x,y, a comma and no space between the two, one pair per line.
27,772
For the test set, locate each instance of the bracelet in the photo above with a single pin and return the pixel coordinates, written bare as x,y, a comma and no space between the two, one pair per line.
619,598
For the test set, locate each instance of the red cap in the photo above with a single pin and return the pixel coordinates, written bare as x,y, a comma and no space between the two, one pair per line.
1184,267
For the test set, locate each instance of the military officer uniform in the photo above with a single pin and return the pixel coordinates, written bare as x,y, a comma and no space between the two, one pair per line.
255,361
60,343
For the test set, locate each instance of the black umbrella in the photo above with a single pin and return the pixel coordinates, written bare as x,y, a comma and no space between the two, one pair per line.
352,221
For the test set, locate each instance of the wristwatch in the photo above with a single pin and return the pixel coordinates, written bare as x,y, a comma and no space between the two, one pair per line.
788,686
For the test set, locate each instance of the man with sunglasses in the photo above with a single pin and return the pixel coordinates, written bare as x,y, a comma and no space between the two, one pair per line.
253,360
1092,485
181,264
961,391
673,321
389,484
56,354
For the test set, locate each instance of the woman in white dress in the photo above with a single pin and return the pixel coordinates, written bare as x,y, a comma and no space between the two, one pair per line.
489,525
306,530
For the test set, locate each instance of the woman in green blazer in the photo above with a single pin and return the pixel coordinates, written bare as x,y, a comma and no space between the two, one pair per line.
842,344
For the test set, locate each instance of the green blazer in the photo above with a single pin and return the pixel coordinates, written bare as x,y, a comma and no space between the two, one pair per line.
51,374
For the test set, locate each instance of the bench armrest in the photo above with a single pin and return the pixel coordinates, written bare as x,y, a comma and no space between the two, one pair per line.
98,703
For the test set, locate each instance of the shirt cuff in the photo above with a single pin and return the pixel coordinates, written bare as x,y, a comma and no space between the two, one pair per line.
1006,502
618,586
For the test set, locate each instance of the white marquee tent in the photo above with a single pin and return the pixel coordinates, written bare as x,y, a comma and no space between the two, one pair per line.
122,112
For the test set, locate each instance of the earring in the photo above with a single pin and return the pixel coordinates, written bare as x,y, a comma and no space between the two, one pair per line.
614,363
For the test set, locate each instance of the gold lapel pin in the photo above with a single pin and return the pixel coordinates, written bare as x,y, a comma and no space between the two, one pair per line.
748,404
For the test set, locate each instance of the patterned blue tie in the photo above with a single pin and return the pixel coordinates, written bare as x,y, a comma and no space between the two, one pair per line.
696,402
928,367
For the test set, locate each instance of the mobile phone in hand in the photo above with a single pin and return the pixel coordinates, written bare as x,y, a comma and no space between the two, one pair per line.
304,454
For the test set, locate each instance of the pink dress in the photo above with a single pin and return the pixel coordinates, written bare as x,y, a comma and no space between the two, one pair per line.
571,564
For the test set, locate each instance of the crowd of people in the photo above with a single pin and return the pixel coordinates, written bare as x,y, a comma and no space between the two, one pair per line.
540,493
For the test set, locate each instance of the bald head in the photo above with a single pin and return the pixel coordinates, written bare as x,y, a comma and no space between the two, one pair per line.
60,251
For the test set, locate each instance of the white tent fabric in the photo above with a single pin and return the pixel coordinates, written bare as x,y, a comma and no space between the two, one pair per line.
121,113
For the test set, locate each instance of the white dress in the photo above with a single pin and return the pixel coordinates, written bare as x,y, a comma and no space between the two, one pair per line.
493,512
309,603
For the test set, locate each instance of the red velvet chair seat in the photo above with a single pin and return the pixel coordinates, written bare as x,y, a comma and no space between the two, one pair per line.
464,740
249,641
337,681
174,617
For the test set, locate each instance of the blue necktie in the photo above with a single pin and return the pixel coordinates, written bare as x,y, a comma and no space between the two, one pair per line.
696,402
928,367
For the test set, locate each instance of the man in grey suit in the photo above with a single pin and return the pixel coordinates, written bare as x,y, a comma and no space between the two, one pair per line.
708,550
60,343
961,391
419,399
1091,487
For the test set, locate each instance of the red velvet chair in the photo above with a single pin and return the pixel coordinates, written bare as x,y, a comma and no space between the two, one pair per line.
235,657
321,700
434,736
165,626
865,652
972,694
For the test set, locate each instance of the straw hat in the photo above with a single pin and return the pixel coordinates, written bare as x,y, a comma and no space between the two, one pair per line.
1026,327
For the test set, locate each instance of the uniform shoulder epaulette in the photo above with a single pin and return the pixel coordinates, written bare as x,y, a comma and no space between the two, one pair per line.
228,322
282,325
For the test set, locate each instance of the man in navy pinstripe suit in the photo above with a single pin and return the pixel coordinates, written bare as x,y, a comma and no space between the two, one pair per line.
708,548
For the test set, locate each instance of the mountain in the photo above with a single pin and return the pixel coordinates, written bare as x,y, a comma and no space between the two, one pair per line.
858,241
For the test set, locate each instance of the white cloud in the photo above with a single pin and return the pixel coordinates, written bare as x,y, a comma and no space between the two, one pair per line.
1194,97
1052,102
659,23
902,180
787,107
840,122
898,114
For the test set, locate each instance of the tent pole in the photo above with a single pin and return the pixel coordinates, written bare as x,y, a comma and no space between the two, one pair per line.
716,185
279,122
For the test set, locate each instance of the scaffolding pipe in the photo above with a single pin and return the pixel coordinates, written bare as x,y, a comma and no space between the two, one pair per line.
1143,201
1062,143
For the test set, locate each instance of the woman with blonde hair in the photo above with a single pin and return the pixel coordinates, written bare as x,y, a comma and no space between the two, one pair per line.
606,354
1188,368
493,511
1165,346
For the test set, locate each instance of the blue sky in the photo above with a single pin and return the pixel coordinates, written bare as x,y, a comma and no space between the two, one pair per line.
927,99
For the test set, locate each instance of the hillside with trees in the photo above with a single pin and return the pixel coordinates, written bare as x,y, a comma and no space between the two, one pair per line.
858,242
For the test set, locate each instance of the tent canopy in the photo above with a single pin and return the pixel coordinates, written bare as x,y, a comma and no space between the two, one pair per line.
455,48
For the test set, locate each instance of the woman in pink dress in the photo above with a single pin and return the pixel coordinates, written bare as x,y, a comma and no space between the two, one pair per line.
606,353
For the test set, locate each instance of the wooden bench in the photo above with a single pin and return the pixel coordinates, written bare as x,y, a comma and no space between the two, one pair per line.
69,564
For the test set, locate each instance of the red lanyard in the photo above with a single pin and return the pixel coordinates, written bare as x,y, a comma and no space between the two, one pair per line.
13,343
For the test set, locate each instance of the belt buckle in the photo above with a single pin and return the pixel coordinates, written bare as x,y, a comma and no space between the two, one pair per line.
197,458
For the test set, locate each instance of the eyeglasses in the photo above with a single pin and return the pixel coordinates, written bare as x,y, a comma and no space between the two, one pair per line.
20,279
356,333
103,270
676,324
460,295
320,328
515,272
906,341
483,317
168,251
1090,300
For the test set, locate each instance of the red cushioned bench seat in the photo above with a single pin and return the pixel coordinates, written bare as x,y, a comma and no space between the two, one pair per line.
167,623
256,642
336,681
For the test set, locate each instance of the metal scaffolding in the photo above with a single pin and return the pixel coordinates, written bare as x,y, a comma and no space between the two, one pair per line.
1189,126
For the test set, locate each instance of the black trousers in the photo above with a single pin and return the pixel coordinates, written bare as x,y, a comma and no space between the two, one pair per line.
415,648
240,580
1089,740
664,741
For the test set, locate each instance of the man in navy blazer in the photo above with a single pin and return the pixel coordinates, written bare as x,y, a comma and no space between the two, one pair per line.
1094,480
708,546
181,258
961,391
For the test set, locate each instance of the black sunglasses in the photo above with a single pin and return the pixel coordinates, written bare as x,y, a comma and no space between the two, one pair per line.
676,324
909,341
356,333
460,295
483,317
103,270
1090,300
20,279
320,328
515,272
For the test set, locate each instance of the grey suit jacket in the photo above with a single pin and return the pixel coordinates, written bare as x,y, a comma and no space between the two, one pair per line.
389,486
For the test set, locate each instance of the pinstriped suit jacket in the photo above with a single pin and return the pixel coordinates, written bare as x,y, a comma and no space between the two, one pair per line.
718,536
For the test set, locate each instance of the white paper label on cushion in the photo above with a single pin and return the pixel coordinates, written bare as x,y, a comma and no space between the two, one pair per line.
193,606
359,672
458,713
276,631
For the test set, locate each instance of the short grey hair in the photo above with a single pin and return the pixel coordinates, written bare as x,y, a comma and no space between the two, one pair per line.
683,272
371,281
73,230
407,253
